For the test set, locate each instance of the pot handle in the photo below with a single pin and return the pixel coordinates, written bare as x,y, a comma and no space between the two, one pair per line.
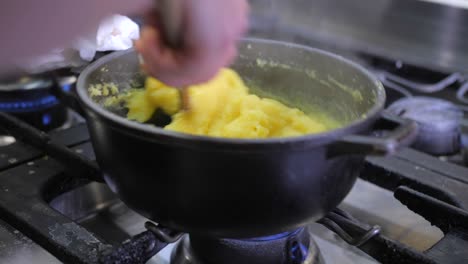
391,134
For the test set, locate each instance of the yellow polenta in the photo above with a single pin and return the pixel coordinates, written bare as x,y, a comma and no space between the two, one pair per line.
222,107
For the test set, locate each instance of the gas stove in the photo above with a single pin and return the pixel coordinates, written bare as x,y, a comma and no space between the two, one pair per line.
408,208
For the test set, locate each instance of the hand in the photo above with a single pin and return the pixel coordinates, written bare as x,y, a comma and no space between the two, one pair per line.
211,31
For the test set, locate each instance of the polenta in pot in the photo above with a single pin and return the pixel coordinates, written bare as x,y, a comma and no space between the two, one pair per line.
222,107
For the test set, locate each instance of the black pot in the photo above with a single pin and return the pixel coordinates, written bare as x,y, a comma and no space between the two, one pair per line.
245,188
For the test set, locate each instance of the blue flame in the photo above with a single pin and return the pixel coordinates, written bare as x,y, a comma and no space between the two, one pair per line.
274,237
303,252
67,87
46,119
28,105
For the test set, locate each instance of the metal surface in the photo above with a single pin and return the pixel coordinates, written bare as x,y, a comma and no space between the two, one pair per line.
31,100
258,174
286,248
137,250
17,248
81,168
60,235
100,213
439,123
330,222
53,231
25,83
422,33
434,189
6,140
97,209
184,253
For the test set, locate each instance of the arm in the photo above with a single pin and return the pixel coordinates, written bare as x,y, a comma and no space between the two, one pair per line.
30,28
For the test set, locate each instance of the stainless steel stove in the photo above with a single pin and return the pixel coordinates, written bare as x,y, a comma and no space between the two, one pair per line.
408,208
45,213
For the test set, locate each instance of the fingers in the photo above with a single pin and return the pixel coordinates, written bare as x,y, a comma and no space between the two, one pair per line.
212,29
159,60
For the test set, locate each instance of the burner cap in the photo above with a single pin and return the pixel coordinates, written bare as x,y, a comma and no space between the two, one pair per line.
439,122
31,99
295,247
25,83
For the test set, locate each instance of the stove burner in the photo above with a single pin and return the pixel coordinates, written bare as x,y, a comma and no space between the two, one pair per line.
439,122
288,248
31,100
433,189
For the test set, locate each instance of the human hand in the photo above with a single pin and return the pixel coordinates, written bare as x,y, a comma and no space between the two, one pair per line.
211,29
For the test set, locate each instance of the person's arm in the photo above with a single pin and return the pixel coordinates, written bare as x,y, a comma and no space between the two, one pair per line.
29,28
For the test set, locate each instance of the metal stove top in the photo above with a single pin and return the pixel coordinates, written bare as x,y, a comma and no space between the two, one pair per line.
48,215
95,208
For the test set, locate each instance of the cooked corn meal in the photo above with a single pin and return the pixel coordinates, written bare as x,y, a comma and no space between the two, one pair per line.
222,107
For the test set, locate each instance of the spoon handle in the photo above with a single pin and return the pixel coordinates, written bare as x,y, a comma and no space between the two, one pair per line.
170,12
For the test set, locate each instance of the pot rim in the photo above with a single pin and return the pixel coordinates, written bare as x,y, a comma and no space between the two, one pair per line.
147,129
